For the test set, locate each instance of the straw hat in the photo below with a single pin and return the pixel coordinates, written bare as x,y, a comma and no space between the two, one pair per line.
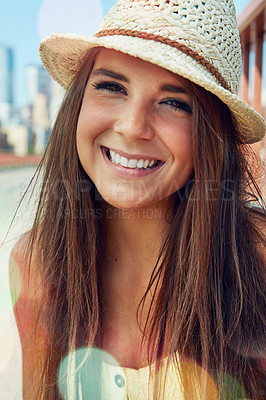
196,39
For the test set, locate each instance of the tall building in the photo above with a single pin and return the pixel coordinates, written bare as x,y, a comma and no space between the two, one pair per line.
6,74
37,82
38,89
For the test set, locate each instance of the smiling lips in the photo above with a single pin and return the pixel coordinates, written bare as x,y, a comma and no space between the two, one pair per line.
132,163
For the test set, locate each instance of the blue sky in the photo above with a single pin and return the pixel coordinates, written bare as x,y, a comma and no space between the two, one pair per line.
23,23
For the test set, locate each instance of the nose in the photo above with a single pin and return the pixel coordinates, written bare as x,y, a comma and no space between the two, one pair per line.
134,121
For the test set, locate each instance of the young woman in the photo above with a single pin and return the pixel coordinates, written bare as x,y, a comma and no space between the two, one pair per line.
142,277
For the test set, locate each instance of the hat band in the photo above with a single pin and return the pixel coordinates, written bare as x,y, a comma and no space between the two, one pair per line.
157,38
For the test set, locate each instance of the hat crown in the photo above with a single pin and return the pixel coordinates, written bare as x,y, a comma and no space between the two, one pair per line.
207,27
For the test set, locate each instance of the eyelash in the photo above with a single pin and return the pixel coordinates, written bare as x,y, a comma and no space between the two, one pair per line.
110,87
114,87
178,105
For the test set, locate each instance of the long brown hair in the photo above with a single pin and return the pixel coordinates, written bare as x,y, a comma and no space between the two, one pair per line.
209,275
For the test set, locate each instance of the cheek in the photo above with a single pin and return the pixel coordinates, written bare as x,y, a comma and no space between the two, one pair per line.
94,119
179,141
88,123
183,150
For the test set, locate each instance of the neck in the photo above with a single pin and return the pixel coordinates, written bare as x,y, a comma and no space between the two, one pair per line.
136,236
133,242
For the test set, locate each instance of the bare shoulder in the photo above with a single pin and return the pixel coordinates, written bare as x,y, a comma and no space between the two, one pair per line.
28,298
26,285
24,269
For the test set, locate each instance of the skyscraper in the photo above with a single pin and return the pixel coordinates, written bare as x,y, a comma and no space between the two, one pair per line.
38,84
37,81
6,74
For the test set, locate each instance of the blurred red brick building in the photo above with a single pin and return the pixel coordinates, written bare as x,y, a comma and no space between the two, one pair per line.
252,28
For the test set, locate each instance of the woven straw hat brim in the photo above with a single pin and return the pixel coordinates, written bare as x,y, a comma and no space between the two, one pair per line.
62,55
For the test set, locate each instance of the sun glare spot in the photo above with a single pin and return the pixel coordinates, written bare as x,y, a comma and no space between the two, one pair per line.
80,17
198,384
85,373
15,280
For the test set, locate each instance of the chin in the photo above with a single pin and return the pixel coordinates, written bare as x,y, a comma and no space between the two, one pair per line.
127,204
145,204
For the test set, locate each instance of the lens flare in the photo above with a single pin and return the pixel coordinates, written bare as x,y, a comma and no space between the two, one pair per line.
85,373
57,16
230,388
196,382
15,280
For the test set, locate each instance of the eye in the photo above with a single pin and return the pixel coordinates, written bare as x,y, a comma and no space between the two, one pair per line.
177,105
110,87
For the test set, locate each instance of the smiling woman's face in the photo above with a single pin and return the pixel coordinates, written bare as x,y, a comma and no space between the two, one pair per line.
134,131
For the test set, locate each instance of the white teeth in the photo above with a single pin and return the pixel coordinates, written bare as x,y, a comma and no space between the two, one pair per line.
124,162
146,163
117,158
129,163
132,163
112,155
140,163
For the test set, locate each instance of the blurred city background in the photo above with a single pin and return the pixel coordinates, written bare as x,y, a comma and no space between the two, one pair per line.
29,99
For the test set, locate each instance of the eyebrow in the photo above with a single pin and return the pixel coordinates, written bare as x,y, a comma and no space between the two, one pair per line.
115,75
172,89
110,74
